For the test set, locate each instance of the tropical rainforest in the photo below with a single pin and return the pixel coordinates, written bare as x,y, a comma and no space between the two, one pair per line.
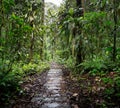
82,35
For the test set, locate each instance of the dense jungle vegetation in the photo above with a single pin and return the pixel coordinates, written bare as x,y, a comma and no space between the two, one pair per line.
84,35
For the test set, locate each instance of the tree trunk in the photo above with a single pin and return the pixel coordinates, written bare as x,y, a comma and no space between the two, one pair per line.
115,31
79,57
42,23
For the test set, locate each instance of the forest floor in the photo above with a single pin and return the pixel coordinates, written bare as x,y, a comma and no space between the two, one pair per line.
57,88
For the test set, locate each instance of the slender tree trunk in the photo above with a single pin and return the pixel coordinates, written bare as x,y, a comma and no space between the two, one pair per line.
42,23
79,57
115,31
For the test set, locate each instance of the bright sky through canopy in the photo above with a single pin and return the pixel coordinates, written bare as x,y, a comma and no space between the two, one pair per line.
57,2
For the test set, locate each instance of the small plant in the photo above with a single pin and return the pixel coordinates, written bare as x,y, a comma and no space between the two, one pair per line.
94,66
29,68
93,72
108,80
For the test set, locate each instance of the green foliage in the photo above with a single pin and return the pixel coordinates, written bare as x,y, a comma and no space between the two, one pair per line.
32,68
29,68
25,38
108,80
8,5
10,81
117,81
94,66
19,41
109,92
71,11
93,37
112,90
70,62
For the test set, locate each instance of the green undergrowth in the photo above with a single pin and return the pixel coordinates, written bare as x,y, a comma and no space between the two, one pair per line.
11,79
101,80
